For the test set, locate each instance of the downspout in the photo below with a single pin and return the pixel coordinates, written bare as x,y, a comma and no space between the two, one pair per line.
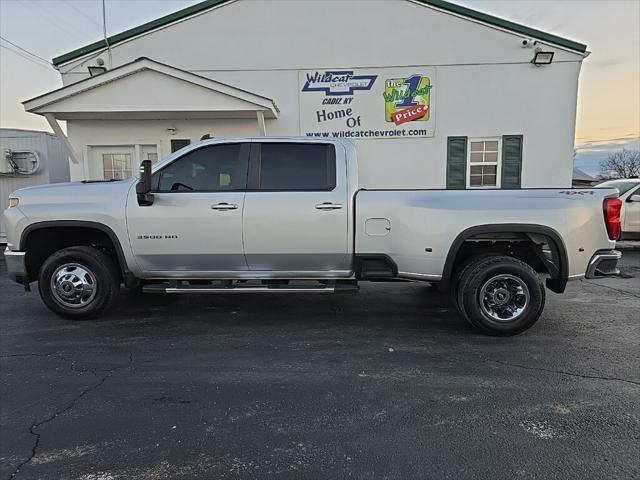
262,128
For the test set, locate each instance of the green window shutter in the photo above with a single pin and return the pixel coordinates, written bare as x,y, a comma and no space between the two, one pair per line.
456,162
511,161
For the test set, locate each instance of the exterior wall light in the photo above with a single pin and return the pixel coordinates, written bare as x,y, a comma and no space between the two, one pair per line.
95,70
542,58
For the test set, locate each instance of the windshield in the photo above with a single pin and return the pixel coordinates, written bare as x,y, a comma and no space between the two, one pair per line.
622,186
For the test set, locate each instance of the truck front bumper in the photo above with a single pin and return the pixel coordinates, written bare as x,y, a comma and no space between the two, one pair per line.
604,263
16,266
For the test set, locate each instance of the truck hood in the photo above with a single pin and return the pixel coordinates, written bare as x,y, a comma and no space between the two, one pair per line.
73,193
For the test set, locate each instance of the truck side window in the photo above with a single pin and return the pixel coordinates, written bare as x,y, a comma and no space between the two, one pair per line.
216,168
297,166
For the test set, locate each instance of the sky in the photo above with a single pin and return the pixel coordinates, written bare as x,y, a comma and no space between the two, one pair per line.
609,90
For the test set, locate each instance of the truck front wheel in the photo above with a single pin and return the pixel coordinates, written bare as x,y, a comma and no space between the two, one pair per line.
501,295
78,282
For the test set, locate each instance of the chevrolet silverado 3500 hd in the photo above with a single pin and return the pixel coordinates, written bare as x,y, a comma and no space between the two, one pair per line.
286,215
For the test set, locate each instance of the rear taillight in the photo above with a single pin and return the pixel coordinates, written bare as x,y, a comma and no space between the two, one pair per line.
611,208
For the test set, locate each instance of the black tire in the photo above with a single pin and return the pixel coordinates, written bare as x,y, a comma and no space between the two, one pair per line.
512,277
88,270
460,273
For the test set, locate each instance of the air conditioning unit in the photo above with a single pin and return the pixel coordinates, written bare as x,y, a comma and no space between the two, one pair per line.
19,162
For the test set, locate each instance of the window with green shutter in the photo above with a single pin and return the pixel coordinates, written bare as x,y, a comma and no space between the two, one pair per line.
491,162
511,161
456,162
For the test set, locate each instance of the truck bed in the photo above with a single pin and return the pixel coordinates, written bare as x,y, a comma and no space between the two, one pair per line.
416,228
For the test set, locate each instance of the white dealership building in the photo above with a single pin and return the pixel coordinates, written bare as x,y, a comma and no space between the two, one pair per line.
435,95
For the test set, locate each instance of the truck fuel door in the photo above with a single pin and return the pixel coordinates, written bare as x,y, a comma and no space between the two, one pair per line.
377,227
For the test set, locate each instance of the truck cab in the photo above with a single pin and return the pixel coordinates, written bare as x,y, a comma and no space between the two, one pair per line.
264,208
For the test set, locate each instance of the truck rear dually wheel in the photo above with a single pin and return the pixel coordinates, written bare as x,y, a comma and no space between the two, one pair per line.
500,295
461,273
78,282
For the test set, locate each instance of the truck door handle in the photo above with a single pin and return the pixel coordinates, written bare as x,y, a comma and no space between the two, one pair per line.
328,206
224,206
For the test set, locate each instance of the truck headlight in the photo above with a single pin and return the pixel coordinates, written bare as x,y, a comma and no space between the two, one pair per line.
13,202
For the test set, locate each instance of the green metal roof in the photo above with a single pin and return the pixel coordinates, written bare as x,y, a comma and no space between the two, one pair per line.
207,4
139,30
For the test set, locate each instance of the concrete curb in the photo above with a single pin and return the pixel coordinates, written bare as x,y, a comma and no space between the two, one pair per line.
628,246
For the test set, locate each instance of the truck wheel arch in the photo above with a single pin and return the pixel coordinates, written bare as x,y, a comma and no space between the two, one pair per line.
81,224
555,283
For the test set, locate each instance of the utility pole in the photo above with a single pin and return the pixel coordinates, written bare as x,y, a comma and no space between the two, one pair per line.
104,31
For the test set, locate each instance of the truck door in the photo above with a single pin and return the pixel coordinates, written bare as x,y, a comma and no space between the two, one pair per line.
631,225
296,217
195,223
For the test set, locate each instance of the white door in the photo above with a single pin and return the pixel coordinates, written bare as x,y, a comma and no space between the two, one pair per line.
194,227
297,211
119,161
149,152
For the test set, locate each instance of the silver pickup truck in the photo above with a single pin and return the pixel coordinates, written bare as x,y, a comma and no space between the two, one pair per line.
286,215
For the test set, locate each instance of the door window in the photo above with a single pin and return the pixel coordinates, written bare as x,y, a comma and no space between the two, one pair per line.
297,167
149,152
116,166
117,162
216,168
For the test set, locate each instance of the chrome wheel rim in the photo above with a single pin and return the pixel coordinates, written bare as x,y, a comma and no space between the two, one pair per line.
73,285
504,298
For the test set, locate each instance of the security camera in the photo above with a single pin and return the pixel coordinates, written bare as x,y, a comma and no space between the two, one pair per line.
528,43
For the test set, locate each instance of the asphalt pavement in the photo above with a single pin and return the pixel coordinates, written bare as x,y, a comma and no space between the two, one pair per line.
390,383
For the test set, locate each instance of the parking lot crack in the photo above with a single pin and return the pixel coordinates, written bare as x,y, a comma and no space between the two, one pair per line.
619,290
571,374
102,376
18,355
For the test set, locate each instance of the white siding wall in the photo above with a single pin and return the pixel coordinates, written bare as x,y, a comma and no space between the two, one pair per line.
85,134
485,83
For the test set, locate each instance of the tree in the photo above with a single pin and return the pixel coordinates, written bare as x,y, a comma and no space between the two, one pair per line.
622,164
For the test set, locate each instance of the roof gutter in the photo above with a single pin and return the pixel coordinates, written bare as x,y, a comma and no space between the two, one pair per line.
505,25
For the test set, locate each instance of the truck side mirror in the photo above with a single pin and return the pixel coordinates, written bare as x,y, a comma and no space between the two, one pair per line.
143,187
634,198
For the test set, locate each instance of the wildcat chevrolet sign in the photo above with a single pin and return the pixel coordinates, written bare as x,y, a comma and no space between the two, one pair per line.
338,82
376,103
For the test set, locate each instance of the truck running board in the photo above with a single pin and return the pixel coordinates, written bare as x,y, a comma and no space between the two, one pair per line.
183,287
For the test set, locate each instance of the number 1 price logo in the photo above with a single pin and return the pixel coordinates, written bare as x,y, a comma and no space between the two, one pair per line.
407,99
